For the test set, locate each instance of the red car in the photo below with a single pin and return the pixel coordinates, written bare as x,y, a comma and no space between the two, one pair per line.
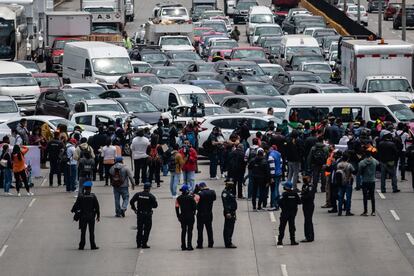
137,80
54,56
219,95
223,53
391,10
48,81
248,53
198,33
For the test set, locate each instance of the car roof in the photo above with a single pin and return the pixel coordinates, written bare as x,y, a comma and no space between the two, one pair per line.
205,81
83,84
129,99
319,85
253,83
348,99
140,75
39,75
123,90
99,101
249,97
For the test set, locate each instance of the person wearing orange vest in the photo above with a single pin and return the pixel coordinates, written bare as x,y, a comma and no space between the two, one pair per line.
329,162
19,168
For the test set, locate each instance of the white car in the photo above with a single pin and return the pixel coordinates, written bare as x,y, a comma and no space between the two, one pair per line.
38,120
229,122
175,43
92,87
278,113
8,109
352,12
106,118
98,105
264,29
169,13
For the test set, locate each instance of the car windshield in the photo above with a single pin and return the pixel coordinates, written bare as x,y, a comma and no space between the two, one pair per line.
254,67
249,54
153,57
8,107
202,98
185,55
215,110
13,80
168,73
211,85
48,81
263,90
261,18
141,81
208,14
205,67
74,97
219,27
297,60
316,67
275,30
200,32
306,78
402,112
225,43
264,103
270,71
337,90
323,33
389,85
291,51
141,68
218,97
139,106
174,12
105,107
245,5
69,124
112,66
94,89
175,41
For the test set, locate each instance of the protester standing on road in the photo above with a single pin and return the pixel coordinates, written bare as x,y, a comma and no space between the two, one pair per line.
175,166
22,131
316,159
190,163
185,208
308,206
294,155
139,147
85,168
289,204
388,155
53,149
229,212
71,166
126,40
366,169
6,168
235,34
410,161
214,146
19,168
155,153
402,135
97,142
344,180
120,174
249,156
145,202
275,165
236,169
108,155
205,214
260,171
86,209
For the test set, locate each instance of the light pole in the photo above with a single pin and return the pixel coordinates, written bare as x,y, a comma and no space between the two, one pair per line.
403,20
359,12
380,18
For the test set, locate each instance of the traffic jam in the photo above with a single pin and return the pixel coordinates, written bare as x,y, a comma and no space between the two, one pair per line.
199,63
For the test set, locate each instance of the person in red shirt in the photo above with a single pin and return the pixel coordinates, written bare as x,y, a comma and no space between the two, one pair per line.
190,163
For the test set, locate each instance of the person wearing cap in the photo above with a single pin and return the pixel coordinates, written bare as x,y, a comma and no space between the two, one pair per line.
120,174
205,214
71,167
229,212
289,204
185,208
142,204
86,208
388,155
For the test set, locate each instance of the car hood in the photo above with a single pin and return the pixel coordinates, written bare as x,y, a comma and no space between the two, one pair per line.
8,116
149,117
177,48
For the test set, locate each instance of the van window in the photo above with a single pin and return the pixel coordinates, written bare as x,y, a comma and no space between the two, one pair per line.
347,114
314,114
88,69
84,120
380,113
172,100
105,121
257,125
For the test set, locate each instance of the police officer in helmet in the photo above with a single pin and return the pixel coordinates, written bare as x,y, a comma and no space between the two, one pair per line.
142,204
229,212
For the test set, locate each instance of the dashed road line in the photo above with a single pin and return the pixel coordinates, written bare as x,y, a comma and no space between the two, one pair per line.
381,195
19,223
284,270
272,217
410,238
395,215
3,249
31,202
43,182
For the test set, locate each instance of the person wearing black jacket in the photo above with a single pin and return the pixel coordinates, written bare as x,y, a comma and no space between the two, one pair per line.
53,149
185,208
410,160
308,206
229,212
86,209
309,143
388,155
260,171
142,204
237,169
289,204
86,166
205,214
96,142
294,156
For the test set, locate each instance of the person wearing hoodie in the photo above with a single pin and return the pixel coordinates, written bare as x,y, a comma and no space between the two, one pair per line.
316,160
120,174
82,148
85,170
294,155
237,169
388,155
260,171
366,169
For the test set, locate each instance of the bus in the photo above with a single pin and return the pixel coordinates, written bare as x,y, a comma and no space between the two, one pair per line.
13,33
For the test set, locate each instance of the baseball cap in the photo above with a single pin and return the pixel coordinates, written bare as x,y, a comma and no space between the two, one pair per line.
202,185
73,141
185,188
119,159
87,184
147,185
288,185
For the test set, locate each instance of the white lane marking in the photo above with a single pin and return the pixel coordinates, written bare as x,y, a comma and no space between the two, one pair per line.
394,214
18,224
276,240
284,270
43,182
410,238
3,250
272,217
381,195
142,251
31,202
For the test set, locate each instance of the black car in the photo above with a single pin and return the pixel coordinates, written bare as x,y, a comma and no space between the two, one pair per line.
409,11
252,88
197,76
181,64
373,5
241,11
283,80
151,56
188,55
230,70
123,93
60,102
141,108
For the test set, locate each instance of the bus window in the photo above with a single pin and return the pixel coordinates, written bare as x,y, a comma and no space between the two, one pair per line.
314,114
347,114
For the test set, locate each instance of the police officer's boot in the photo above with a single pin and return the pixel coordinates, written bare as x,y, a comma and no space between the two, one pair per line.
293,241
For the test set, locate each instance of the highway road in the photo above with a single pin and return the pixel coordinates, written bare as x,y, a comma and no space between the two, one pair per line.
39,238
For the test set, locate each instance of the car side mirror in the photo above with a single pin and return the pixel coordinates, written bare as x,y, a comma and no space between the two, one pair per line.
66,80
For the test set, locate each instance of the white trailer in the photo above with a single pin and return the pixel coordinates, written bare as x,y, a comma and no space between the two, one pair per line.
362,58
153,32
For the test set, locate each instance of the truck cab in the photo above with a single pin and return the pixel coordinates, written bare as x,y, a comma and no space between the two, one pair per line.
54,55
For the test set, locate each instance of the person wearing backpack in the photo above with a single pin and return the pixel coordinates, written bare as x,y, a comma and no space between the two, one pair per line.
139,147
215,141
366,169
85,169
175,166
275,164
120,174
82,148
154,152
19,168
294,155
108,155
343,179
249,156
237,169
260,172
316,160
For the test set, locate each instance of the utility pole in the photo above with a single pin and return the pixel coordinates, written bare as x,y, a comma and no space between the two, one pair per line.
403,21
380,19
359,12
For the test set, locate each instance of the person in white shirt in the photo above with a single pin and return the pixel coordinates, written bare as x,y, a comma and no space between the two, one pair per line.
72,166
402,134
108,155
139,154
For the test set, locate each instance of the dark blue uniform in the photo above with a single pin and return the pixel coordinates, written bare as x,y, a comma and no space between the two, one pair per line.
230,207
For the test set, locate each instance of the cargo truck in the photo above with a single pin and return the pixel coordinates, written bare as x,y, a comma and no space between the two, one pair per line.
108,16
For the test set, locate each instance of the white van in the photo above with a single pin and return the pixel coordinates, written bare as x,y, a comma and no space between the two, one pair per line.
295,44
164,96
17,82
349,107
95,62
258,15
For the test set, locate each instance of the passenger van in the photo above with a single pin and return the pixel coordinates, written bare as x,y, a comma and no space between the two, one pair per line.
349,107
258,15
95,62
299,44
17,82
165,96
